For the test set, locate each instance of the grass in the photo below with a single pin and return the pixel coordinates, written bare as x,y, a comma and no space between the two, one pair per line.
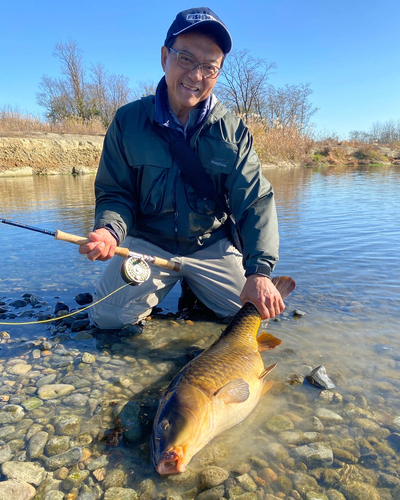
14,121
275,145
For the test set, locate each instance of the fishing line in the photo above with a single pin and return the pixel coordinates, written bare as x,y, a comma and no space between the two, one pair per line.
67,315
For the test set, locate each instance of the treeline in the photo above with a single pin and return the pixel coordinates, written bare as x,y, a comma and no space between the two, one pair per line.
84,93
380,133
93,93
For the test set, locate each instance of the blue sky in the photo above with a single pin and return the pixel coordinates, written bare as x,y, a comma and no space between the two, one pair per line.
347,49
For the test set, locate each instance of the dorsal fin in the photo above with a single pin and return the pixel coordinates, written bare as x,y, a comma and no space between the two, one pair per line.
266,342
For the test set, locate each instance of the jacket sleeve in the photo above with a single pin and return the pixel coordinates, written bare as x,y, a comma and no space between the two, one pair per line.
115,198
251,200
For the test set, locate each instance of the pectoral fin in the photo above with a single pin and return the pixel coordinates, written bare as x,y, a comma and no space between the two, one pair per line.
235,391
266,342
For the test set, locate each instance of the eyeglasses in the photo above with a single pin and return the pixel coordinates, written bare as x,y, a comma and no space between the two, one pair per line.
188,62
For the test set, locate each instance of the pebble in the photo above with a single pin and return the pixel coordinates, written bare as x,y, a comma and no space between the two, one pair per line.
16,490
61,394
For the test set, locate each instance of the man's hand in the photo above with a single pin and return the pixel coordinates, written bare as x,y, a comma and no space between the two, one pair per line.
101,247
260,291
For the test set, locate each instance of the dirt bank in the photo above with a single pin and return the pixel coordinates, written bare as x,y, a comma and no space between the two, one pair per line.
38,153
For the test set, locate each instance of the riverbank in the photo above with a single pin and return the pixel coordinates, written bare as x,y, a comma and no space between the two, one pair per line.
43,153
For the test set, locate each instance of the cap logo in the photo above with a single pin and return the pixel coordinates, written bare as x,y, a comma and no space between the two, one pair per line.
200,17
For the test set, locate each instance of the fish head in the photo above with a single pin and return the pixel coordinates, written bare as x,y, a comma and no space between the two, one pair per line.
177,431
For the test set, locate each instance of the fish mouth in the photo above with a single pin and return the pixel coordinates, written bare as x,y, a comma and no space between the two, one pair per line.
170,463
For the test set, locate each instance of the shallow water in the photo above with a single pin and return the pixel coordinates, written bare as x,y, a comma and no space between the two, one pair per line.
340,235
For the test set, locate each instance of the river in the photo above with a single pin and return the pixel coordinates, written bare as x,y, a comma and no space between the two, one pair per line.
340,238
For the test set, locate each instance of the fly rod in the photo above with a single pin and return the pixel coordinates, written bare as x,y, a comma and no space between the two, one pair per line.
134,270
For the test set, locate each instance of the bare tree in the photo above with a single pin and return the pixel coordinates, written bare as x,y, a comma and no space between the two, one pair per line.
288,105
143,89
107,92
73,96
243,83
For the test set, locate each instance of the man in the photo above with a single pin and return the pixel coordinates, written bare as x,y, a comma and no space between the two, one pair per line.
144,201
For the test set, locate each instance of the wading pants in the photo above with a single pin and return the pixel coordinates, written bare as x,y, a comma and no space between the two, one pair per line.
215,274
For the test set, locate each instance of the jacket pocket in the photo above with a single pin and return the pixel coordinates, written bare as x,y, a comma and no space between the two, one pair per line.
217,156
151,164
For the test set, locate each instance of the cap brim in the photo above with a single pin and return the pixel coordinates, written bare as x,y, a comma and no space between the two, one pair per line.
218,30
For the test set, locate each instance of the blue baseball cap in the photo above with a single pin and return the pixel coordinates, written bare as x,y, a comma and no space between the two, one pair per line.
200,17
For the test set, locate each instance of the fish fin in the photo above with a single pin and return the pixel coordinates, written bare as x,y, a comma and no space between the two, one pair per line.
267,386
266,342
285,285
265,372
235,391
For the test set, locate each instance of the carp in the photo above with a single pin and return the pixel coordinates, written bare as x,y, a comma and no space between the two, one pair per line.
214,391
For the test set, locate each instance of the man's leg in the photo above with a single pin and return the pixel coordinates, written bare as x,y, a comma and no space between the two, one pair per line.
216,276
132,303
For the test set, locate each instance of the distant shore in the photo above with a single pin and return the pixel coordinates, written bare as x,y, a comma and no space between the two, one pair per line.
42,153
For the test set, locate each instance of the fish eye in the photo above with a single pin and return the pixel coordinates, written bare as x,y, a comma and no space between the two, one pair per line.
164,425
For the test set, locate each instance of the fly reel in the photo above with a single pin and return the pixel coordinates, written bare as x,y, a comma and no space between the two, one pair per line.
135,271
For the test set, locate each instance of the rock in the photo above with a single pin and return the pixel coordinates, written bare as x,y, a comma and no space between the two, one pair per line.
328,417
298,438
54,391
279,423
76,400
56,495
74,479
19,303
68,425
83,298
319,378
24,472
304,483
354,490
298,314
311,424
57,445
97,463
32,403
19,369
335,495
16,490
10,414
313,495
213,476
46,380
60,306
114,478
79,325
246,482
121,494
212,494
70,457
88,358
5,453
129,414
36,445
277,452
314,455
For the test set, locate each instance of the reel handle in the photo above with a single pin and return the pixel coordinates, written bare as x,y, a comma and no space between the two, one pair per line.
122,252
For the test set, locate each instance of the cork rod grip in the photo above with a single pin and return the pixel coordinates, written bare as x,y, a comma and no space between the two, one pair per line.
122,252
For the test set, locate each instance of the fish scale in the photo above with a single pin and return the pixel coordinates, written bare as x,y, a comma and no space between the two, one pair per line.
214,391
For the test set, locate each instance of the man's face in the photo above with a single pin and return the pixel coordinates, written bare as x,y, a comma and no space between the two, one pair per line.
187,88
